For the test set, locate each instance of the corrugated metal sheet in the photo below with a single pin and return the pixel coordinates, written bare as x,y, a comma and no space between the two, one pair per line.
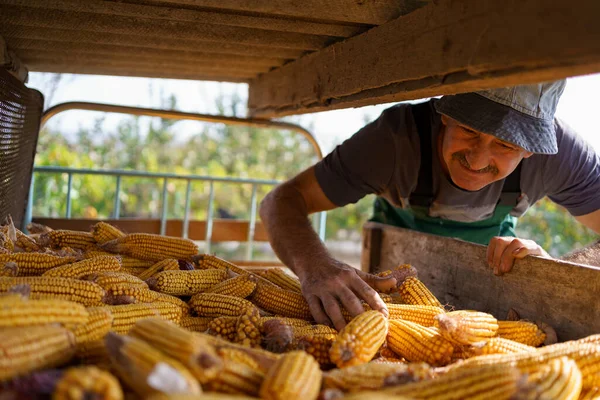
227,40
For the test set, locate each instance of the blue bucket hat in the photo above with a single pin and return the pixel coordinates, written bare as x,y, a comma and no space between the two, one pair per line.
522,115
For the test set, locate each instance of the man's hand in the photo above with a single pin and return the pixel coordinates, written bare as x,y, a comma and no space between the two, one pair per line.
502,252
332,283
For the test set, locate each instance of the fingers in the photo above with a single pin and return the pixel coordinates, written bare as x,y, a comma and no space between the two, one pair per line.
381,284
332,308
368,294
316,309
350,301
502,252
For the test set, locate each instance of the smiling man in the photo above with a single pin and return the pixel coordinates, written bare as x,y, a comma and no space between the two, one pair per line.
464,166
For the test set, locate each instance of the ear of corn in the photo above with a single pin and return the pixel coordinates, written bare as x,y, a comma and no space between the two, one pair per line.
41,312
97,325
34,348
490,382
81,383
240,286
521,331
466,327
195,324
109,279
590,394
9,268
417,343
281,302
125,316
93,353
208,261
26,243
223,327
282,279
237,378
295,375
147,246
126,294
360,340
373,376
186,283
32,264
86,293
497,345
287,321
422,315
247,329
146,370
65,238
559,379
413,291
191,350
168,264
103,232
85,267
216,305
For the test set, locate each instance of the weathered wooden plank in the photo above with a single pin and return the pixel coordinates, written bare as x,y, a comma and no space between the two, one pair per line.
83,21
139,53
224,230
562,294
589,255
165,12
36,57
141,72
11,32
448,46
364,12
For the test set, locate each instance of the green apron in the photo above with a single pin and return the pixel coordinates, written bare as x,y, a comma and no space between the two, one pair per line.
417,218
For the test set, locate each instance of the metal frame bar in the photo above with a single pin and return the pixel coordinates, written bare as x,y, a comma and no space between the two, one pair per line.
177,115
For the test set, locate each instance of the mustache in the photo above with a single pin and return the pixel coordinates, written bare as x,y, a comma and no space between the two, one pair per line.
460,157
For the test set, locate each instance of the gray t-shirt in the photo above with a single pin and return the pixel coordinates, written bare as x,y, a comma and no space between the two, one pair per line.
384,157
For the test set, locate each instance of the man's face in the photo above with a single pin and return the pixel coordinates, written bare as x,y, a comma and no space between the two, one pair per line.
474,159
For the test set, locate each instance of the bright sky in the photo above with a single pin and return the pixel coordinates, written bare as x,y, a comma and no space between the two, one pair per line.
579,105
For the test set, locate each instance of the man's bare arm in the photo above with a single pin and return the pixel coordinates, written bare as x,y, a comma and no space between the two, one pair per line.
591,220
326,282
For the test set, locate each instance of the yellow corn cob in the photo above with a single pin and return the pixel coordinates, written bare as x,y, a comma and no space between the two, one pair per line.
186,283
417,343
590,394
497,345
93,353
414,292
81,383
26,243
317,345
280,301
134,264
375,376
559,379
235,355
422,315
191,350
386,352
247,329
126,294
282,279
41,312
134,271
34,348
32,264
295,375
466,327
147,246
9,268
146,370
208,261
195,324
108,279
125,316
223,327
360,340
586,355
85,267
98,324
386,298
521,331
168,264
216,305
103,232
6,243
236,378
240,286
86,293
490,382
255,358
65,238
